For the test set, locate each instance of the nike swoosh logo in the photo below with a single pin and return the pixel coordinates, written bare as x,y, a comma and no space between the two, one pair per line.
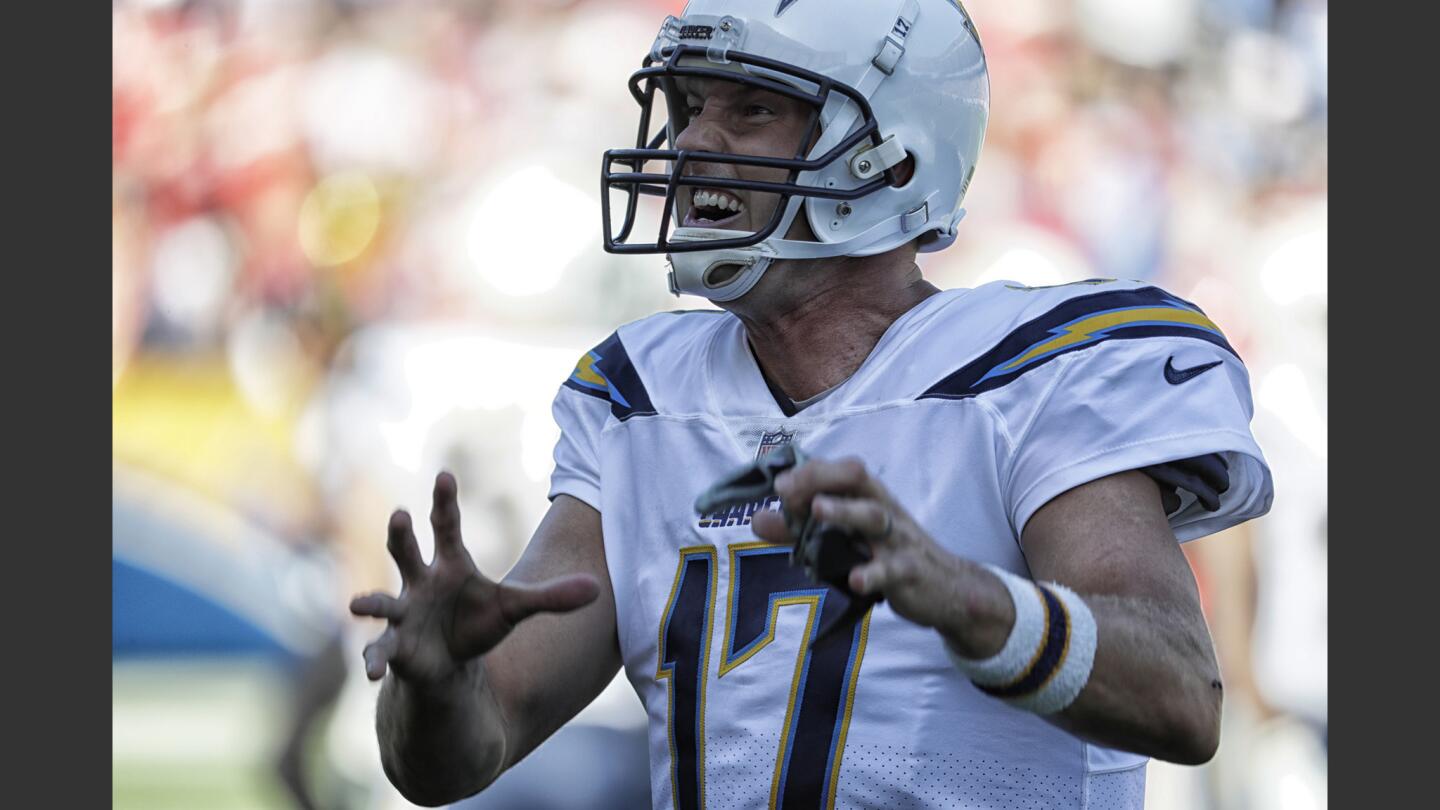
1175,376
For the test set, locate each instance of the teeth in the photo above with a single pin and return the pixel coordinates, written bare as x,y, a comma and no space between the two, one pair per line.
715,199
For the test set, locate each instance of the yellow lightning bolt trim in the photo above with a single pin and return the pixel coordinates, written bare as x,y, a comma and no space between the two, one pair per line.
585,372
1083,330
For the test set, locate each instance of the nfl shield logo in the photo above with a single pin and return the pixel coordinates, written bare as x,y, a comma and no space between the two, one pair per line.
770,441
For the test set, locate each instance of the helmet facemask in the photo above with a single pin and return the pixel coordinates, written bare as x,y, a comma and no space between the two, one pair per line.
721,251
656,84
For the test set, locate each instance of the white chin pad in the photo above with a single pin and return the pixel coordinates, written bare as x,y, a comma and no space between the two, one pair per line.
696,272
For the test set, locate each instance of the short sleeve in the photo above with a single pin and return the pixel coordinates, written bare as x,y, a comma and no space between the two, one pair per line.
604,384
577,456
1134,404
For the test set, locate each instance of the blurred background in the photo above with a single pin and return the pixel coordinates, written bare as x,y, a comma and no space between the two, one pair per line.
356,241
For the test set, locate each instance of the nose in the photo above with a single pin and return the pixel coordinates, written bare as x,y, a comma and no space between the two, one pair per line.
700,135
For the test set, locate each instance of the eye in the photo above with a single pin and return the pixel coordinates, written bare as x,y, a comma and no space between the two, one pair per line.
694,110
758,109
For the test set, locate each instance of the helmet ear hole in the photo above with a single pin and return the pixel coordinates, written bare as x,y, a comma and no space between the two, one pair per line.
905,171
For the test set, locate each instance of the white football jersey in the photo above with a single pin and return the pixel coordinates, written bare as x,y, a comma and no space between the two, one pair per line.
974,409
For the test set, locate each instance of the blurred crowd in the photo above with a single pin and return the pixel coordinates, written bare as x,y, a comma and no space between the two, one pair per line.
358,241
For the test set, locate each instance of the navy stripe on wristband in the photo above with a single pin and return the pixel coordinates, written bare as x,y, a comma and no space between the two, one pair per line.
1055,644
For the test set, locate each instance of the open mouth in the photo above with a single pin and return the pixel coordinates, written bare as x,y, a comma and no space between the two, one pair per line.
713,208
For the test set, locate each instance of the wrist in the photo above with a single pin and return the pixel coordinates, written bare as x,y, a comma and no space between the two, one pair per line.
442,692
986,614
1045,661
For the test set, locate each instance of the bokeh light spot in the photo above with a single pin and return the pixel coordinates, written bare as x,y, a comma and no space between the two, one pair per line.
339,218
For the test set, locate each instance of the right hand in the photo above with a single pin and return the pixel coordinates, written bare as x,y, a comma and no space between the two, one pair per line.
448,613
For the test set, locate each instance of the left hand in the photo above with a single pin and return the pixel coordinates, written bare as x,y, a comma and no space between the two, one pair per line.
922,581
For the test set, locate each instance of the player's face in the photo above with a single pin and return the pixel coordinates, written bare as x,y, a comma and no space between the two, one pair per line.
729,117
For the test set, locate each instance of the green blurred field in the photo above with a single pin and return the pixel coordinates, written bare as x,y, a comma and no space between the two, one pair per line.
195,735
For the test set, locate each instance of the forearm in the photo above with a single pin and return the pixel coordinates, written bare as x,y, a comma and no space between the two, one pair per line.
441,743
1153,686
1130,666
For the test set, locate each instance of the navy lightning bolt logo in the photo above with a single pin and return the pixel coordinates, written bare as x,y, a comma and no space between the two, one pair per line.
784,4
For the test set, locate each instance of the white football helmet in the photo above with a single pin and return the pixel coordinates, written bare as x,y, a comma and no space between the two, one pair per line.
885,78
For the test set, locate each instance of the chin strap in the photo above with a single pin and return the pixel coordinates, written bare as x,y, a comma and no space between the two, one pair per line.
691,272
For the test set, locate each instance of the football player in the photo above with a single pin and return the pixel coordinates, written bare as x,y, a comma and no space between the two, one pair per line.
1016,465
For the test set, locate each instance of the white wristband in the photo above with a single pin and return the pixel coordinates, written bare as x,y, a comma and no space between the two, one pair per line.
1025,636
1047,657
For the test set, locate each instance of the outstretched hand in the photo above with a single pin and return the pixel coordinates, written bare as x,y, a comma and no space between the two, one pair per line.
448,612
